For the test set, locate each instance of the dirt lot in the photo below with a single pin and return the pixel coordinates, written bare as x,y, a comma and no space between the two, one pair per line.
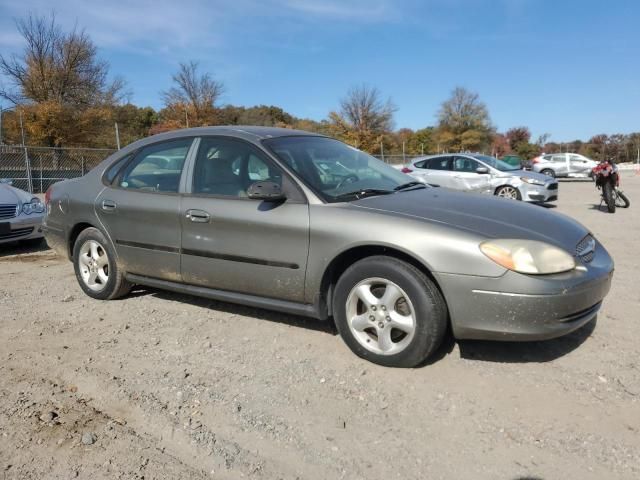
159,385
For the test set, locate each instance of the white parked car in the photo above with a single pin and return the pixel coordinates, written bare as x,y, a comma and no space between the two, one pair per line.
563,165
483,174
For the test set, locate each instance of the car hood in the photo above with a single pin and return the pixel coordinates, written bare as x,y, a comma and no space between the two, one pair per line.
487,216
9,194
527,174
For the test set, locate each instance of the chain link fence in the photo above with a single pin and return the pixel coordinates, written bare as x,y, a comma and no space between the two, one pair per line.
34,169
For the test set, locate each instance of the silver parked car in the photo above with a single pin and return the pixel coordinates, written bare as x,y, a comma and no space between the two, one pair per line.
304,224
564,165
21,215
483,174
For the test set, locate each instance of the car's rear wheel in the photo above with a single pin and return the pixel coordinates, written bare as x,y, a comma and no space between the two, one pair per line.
548,172
507,191
96,268
389,312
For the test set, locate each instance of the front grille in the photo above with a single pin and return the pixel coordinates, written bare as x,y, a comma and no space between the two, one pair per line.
553,186
8,210
585,249
17,233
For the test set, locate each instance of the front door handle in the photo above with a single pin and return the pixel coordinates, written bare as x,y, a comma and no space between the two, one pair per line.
109,205
198,216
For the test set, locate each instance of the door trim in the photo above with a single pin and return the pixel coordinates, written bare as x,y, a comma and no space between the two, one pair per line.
233,297
239,258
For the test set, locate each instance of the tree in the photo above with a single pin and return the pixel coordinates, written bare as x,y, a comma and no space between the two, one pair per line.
363,119
463,122
517,135
193,98
57,67
59,83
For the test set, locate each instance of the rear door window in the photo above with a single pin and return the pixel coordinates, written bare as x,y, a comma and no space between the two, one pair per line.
439,163
157,168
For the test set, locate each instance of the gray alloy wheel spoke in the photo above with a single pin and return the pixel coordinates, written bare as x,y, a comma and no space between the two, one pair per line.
384,339
391,295
102,261
364,293
361,322
402,322
374,320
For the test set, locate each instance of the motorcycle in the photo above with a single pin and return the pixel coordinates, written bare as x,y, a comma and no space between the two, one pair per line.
607,180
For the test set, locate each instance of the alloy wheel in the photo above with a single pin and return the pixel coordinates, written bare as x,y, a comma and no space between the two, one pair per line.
94,265
380,316
508,192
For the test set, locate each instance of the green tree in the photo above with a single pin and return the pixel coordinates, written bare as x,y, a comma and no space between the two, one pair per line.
464,122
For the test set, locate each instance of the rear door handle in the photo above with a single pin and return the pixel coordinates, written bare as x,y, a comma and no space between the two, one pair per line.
198,216
109,205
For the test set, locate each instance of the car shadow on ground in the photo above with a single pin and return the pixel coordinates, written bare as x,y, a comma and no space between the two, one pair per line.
526,352
22,248
237,309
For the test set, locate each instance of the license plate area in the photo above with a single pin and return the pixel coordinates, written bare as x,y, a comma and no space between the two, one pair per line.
5,228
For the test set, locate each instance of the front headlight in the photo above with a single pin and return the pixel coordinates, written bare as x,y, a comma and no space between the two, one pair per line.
528,256
532,181
34,206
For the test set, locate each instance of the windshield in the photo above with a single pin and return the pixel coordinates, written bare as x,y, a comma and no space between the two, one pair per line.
495,163
335,170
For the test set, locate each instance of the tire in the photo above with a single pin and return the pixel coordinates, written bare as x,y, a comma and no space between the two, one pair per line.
622,200
609,197
97,272
411,327
507,191
548,172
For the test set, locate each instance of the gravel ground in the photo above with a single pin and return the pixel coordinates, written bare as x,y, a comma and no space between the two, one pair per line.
159,385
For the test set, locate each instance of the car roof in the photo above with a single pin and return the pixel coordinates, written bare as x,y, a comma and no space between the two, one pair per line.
250,133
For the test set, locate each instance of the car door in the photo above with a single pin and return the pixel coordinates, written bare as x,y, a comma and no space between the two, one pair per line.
140,210
560,164
579,165
438,171
466,177
233,243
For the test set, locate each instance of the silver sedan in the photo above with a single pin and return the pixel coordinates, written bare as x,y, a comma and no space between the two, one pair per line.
21,214
483,174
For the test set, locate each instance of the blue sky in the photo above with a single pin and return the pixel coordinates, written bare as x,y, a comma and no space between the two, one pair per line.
569,68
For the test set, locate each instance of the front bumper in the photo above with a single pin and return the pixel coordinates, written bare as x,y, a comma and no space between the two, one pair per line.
23,227
539,193
527,307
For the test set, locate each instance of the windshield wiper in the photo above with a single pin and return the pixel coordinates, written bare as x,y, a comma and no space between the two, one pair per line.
408,185
364,192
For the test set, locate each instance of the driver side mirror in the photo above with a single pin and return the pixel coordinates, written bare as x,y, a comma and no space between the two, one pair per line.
267,191
482,170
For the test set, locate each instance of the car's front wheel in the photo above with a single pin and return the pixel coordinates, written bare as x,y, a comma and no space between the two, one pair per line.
548,172
95,266
507,191
389,312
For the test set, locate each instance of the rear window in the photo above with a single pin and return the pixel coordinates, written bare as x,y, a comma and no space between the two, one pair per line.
114,169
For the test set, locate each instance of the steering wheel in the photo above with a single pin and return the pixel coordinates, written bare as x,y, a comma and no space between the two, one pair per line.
350,178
